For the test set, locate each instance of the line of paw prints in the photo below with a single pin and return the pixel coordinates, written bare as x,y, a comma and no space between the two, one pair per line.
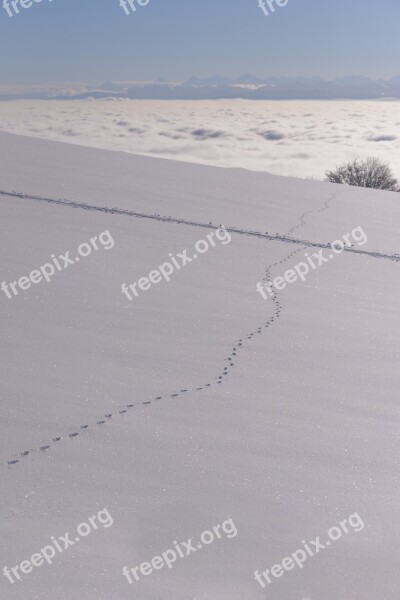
278,307
308,212
101,422
230,360
249,336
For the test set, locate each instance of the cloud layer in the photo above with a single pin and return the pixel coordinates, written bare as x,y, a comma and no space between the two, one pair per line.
292,138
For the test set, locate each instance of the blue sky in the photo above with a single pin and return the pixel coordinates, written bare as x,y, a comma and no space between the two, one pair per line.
94,40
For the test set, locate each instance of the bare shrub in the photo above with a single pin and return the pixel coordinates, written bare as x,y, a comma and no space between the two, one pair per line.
369,173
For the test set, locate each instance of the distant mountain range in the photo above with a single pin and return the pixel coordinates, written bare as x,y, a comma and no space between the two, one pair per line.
246,87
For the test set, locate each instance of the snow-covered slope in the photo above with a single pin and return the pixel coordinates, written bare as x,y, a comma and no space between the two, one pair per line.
302,432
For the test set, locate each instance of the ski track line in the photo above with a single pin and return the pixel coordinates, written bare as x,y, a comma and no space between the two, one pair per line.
276,238
220,378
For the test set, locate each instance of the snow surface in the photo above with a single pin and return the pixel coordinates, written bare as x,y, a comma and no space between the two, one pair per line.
303,431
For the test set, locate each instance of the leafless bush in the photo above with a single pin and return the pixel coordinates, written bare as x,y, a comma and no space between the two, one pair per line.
369,173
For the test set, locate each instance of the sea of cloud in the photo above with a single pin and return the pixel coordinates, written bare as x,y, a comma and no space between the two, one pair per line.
291,138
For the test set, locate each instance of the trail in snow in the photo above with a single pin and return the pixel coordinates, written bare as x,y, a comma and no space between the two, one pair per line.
232,229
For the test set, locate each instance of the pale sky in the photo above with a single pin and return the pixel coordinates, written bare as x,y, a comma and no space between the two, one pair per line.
94,40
